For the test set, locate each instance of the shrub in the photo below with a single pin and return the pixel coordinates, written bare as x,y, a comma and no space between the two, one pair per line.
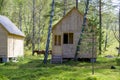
2,77
20,59
10,64
118,61
91,78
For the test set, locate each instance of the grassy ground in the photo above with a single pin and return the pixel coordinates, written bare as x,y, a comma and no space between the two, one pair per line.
32,68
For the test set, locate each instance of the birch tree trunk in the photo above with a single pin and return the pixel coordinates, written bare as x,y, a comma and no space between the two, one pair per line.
33,30
83,27
119,33
65,6
20,17
39,33
49,34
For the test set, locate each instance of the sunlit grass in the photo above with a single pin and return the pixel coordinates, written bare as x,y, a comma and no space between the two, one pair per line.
112,44
32,68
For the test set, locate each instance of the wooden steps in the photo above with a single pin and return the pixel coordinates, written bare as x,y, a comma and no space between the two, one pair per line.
56,59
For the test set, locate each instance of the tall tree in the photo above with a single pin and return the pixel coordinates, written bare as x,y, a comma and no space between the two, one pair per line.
77,4
93,47
39,24
49,33
33,30
65,6
119,32
83,27
1,5
92,25
20,17
100,28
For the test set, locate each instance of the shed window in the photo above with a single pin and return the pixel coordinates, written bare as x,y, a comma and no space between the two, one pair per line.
68,38
57,40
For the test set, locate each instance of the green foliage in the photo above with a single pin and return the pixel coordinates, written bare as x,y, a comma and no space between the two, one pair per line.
92,78
118,61
1,5
2,77
20,59
12,9
32,68
10,64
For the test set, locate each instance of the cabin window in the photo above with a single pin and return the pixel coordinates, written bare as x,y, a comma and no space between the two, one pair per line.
65,38
68,38
57,40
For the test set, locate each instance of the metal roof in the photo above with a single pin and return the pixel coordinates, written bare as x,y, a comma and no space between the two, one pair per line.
10,26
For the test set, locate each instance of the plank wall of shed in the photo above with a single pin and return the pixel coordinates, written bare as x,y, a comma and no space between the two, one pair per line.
3,42
72,23
15,46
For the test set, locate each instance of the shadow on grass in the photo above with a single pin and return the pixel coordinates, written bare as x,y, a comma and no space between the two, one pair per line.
32,68
35,69
105,63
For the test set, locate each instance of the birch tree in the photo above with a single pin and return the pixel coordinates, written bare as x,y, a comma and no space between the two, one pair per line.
33,30
49,33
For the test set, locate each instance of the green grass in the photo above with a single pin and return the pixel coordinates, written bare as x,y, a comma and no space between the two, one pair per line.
32,68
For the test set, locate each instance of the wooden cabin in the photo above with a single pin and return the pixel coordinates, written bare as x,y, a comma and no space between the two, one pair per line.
65,36
11,40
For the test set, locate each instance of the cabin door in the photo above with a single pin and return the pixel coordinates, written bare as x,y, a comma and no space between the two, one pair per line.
68,46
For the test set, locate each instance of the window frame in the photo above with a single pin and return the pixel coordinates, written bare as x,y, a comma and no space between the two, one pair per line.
70,40
57,40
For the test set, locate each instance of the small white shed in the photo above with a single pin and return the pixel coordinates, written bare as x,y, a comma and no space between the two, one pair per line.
11,40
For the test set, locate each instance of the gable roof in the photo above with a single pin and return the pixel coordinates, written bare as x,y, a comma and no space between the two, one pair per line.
71,11
10,26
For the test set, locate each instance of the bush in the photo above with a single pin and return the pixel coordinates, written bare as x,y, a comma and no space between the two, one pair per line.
10,64
2,77
118,61
20,59
91,78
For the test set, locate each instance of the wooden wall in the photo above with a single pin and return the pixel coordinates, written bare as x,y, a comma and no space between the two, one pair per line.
15,46
71,23
10,45
3,42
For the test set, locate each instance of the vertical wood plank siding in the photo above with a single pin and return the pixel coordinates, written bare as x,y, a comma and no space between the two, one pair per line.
71,23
